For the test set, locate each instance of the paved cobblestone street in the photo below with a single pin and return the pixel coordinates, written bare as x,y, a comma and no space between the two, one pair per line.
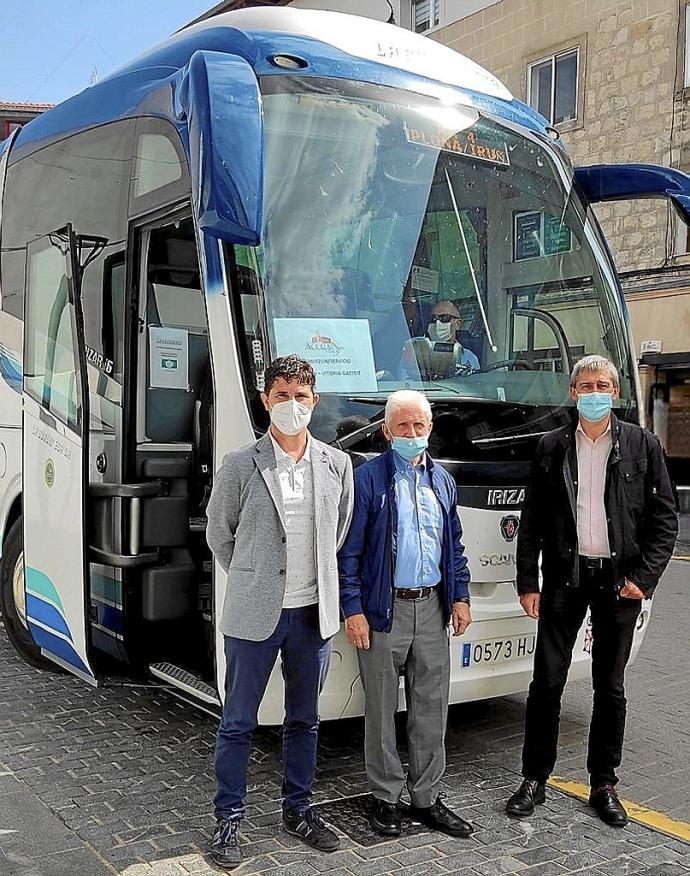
119,780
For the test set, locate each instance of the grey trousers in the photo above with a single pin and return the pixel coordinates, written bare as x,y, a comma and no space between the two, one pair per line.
418,640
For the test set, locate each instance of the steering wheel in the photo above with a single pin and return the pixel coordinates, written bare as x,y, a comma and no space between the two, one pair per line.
510,365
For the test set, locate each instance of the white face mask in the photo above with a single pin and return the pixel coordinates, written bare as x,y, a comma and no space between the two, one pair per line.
440,331
290,417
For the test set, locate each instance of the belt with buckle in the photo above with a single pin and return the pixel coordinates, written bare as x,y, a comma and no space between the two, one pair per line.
595,564
413,592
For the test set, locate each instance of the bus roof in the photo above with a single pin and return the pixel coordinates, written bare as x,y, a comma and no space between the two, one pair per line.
332,43
367,39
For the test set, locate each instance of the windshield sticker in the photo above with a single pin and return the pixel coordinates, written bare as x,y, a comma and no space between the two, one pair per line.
339,350
472,144
557,235
540,234
527,236
425,279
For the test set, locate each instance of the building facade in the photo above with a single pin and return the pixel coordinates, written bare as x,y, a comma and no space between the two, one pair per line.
13,115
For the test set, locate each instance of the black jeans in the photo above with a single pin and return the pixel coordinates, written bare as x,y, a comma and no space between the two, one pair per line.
561,613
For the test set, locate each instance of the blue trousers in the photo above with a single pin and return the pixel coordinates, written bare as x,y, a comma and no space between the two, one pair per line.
305,657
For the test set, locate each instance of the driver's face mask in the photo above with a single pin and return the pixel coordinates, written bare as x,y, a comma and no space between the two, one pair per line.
441,327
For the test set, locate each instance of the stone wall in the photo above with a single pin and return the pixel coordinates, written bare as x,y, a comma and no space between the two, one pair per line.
630,64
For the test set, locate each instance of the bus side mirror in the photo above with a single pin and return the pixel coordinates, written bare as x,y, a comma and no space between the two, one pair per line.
218,96
618,182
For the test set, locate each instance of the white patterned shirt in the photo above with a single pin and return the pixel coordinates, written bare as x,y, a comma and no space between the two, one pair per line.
297,488
592,459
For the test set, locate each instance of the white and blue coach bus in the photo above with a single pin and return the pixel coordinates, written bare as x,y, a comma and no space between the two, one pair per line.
272,181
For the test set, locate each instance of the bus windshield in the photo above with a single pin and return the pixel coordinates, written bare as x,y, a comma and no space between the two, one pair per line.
410,243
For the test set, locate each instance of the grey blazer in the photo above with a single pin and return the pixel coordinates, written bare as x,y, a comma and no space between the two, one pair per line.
246,532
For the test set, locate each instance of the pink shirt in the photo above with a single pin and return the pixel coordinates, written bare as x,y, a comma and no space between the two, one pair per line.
592,457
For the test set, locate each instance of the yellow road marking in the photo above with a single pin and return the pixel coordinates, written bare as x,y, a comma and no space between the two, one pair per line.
681,557
649,817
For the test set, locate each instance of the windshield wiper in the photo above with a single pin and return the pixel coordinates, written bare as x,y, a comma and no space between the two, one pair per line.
520,436
365,400
493,346
356,435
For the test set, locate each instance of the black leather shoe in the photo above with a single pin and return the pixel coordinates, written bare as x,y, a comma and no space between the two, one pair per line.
531,793
385,819
311,829
608,807
439,817
225,847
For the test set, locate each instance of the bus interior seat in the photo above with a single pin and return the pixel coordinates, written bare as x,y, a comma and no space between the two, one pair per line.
171,590
170,412
173,272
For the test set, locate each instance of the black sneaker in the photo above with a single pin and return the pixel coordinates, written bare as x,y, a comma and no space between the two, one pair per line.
311,829
225,847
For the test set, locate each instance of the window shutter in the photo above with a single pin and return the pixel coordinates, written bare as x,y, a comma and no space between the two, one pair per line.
422,14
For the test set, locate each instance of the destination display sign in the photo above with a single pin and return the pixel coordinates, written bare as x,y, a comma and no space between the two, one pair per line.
477,143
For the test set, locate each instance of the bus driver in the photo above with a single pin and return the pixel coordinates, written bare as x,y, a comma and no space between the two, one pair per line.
439,353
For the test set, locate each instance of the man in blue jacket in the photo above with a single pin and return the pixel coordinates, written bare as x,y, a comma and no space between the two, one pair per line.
403,578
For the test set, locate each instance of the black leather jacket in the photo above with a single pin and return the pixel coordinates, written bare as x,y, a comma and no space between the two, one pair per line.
640,511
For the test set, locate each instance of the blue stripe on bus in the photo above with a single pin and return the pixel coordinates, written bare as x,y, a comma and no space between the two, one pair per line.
10,373
46,613
59,647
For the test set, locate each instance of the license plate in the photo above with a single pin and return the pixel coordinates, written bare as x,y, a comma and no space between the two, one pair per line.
490,651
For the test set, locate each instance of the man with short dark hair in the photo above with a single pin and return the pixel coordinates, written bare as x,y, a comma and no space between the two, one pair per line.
600,510
279,510
403,579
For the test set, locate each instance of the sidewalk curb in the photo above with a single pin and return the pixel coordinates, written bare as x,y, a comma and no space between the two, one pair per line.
649,817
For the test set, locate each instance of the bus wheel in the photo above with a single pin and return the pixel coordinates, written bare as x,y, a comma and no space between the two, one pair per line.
13,599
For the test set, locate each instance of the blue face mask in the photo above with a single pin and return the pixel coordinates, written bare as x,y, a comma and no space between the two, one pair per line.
594,406
409,448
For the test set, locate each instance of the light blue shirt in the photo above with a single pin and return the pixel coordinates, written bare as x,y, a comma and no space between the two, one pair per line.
420,526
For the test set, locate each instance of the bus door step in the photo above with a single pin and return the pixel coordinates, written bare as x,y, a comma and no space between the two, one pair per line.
186,681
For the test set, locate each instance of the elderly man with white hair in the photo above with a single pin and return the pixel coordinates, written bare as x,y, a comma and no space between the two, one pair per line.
403,580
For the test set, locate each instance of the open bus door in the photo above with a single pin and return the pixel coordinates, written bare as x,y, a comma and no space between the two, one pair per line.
56,454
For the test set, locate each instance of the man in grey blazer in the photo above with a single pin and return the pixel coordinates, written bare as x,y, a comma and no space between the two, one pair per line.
279,511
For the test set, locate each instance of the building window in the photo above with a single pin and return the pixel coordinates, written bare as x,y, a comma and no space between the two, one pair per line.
552,86
10,126
422,14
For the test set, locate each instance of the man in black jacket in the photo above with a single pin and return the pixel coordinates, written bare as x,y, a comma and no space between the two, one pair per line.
600,510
